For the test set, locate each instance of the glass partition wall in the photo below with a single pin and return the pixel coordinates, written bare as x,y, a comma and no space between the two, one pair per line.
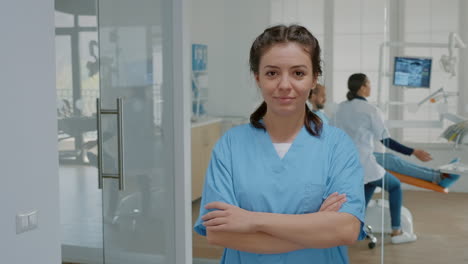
426,110
414,54
423,102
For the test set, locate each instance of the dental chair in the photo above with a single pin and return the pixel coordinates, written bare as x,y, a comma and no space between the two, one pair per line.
419,183
373,223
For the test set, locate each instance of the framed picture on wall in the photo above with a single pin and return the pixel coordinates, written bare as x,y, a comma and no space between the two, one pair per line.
199,78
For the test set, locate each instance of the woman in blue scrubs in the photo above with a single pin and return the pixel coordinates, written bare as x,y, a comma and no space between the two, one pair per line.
284,188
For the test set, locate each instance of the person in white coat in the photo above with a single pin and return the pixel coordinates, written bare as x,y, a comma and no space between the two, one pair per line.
365,124
317,99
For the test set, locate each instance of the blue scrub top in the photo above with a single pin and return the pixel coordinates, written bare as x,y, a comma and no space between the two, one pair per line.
246,171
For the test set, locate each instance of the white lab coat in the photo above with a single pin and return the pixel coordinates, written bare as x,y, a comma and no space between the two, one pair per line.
364,123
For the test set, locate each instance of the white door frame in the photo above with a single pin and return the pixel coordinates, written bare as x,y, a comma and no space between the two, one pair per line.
182,130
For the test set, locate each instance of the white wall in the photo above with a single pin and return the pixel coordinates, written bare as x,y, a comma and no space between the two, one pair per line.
463,64
207,27
229,28
358,32
430,21
28,135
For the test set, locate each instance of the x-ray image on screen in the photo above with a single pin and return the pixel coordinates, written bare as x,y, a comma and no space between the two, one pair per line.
412,72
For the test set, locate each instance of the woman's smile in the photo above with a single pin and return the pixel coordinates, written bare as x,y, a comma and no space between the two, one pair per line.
284,99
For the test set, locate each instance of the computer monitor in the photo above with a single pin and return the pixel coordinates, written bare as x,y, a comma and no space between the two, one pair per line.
412,72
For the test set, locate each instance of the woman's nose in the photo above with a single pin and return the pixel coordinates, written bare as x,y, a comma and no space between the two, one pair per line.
285,82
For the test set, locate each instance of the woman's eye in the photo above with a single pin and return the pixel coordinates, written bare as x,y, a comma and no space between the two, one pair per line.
271,73
299,74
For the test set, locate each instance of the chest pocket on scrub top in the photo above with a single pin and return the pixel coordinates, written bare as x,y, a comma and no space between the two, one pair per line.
312,200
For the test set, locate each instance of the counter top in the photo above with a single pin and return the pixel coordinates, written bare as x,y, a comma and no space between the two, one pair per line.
205,121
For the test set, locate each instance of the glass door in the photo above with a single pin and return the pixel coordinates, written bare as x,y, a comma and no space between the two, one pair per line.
77,86
136,131
121,188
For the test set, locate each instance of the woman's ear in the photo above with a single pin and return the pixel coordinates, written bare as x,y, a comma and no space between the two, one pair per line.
257,80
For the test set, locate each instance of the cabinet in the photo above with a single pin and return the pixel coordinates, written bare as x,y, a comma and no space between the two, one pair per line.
204,137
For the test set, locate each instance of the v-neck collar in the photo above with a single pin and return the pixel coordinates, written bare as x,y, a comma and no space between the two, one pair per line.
269,154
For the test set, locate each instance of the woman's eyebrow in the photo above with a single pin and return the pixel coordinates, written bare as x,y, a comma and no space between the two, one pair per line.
299,66
295,66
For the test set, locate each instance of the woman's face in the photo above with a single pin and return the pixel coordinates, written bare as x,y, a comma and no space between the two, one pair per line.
366,89
285,78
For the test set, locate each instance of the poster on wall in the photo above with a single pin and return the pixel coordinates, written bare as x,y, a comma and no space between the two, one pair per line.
199,57
199,79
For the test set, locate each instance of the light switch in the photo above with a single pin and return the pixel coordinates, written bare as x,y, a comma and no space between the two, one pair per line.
32,219
22,223
26,221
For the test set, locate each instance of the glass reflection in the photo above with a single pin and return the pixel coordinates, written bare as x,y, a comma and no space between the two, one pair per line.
77,82
136,65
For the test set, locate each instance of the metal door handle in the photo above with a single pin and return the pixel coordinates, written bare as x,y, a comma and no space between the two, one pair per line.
120,143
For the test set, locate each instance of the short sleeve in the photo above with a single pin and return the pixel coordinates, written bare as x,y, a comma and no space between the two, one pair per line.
218,185
379,129
346,176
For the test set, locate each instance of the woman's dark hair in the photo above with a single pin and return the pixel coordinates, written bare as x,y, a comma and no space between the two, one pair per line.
355,82
278,35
